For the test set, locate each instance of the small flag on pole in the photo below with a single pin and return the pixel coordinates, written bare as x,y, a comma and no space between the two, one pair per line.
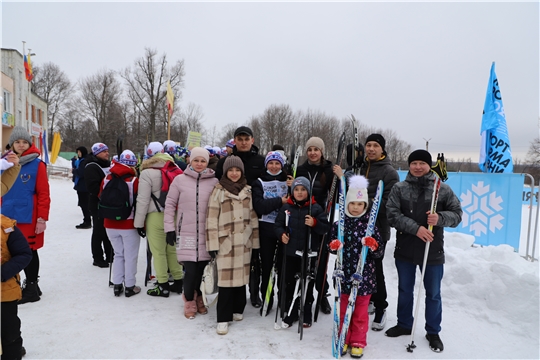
28,68
170,98
495,153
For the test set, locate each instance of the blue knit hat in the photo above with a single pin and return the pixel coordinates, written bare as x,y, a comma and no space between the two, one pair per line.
99,148
274,155
301,181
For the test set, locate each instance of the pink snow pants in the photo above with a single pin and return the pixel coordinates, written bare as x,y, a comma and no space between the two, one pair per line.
358,328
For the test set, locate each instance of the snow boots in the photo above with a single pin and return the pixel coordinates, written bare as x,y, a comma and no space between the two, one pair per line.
118,289
435,342
190,308
397,331
201,308
177,286
161,289
357,352
325,305
30,293
84,225
379,321
132,290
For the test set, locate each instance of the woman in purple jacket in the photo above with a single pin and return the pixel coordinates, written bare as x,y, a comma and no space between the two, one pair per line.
188,199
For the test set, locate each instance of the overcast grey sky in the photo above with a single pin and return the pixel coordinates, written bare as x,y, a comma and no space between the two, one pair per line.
419,68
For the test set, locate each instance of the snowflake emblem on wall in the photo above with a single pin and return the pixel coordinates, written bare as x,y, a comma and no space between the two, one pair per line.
480,210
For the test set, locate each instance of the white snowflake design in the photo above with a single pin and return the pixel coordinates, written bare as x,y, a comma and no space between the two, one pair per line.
480,210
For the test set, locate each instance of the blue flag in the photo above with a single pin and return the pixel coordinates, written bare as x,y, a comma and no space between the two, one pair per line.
495,153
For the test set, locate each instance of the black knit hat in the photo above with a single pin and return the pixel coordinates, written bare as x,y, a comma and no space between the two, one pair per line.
378,138
420,155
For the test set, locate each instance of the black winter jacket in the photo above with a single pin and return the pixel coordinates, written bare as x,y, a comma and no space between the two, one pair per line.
375,171
406,208
93,170
298,229
253,164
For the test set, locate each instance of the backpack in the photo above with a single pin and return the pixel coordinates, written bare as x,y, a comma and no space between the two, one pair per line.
168,172
114,200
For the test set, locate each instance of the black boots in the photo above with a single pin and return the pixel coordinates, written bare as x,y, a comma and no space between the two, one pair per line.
177,286
84,225
161,289
325,305
118,289
30,293
308,315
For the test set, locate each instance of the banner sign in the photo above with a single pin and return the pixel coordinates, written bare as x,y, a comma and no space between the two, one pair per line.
491,205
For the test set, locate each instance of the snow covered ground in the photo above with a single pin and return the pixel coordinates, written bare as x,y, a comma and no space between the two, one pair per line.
490,309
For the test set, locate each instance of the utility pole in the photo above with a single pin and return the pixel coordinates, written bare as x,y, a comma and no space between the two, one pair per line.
427,143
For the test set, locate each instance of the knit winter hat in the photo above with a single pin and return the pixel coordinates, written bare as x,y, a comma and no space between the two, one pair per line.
378,138
200,152
232,161
127,157
301,181
420,155
154,148
19,133
217,150
169,147
230,143
274,155
99,148
315,141
357,192
223,151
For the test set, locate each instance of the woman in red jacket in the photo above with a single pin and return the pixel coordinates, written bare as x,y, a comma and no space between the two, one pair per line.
29,202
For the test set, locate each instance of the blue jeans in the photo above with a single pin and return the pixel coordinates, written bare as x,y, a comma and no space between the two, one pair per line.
432,284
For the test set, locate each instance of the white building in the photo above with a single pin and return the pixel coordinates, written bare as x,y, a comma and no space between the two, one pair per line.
20,105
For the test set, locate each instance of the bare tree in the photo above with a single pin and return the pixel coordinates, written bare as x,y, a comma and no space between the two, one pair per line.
147,85
100,98
53,85
533,155
227,132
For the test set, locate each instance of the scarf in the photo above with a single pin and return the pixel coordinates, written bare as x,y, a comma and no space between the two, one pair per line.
233,187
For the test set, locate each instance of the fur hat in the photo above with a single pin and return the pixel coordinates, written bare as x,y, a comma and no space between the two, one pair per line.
200,152
154,148
127,157
98,148
19,133
301,181
274,155
357,192
232,161
378,138
315,141
169,147
230,143
420,155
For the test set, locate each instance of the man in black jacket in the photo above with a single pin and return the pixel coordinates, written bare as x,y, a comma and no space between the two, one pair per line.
80,186
377,167
94,168
253,166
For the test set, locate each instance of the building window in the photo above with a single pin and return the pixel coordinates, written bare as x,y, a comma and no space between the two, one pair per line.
8,102
33,114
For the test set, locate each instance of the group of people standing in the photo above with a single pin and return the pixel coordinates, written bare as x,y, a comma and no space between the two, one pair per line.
249,215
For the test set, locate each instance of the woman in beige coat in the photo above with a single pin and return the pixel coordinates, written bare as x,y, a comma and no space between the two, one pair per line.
232,229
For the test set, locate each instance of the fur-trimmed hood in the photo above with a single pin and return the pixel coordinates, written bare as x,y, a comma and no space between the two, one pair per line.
157,160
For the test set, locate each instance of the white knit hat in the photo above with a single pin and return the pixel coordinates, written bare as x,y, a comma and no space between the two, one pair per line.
169,147
154,148
127,157
199,152
357,192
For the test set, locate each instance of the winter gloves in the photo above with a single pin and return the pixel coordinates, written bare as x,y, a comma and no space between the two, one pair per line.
141,232
370,242
171,238
213,254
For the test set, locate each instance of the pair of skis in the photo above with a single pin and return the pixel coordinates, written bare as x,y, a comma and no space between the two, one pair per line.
330,210
358,275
